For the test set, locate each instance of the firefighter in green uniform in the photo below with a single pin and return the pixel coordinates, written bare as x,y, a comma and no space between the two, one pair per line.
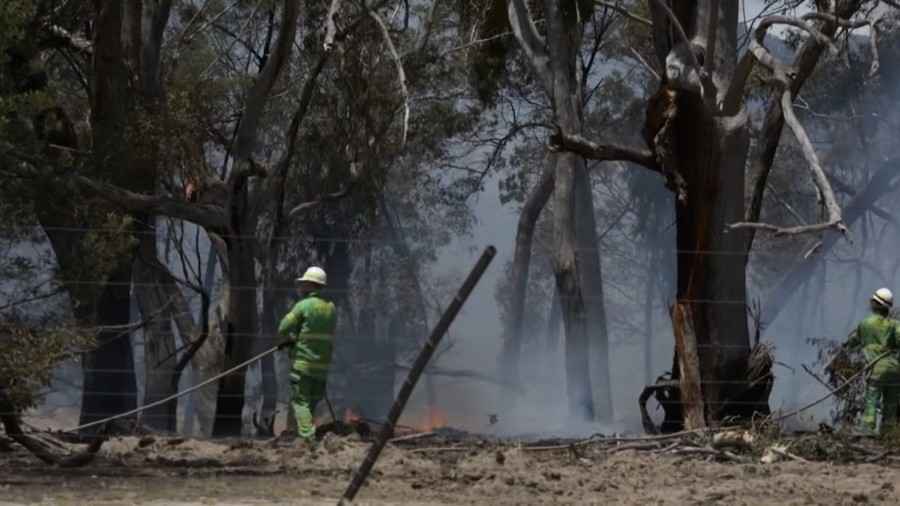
310,327
875,335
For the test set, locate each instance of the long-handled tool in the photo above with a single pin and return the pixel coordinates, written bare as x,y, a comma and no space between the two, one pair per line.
170,398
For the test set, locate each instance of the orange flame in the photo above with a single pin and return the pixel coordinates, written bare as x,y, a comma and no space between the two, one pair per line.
351,417
434,418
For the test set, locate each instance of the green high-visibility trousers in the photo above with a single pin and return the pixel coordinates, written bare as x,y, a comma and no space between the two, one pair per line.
882,391
307,392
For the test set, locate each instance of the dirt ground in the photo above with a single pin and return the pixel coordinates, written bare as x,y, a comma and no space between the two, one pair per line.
189,472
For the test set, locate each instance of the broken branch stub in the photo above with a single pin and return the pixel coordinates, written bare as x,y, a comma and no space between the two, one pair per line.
412,378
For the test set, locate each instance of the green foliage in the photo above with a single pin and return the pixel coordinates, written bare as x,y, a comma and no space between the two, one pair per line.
30,356
13,14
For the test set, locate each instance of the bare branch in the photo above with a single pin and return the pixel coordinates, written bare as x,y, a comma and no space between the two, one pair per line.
623,11
329,197
206,216
854,24
529,39
833,211
259,92
401,73
603,152
758,52
646,65
809,152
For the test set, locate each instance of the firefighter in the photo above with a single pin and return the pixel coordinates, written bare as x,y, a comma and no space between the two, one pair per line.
309,326
875,335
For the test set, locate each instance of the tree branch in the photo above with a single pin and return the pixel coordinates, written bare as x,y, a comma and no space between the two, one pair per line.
328,197
401,73
852,25
529,39
833,210
783,73
204,215
245,139
603,152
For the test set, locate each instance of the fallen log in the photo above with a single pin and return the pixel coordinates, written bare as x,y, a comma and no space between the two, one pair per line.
41,449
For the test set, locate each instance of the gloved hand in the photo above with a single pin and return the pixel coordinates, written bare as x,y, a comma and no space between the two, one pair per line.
287,344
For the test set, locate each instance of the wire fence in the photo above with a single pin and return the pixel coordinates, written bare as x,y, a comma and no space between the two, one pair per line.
175,343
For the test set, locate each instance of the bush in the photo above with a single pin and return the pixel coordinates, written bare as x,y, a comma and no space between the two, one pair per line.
29,357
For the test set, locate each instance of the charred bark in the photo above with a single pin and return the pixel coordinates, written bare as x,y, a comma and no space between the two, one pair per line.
711,282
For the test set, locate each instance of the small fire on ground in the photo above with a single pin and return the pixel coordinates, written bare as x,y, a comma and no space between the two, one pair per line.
351,417
432,418
426,420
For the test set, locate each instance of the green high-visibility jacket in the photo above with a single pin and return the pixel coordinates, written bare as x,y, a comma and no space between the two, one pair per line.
312,321
875,335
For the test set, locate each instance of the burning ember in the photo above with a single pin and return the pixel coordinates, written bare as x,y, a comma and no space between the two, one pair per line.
351,417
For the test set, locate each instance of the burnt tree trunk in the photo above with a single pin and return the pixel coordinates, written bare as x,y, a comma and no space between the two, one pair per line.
109,386
703,151
711,278
239,330
109,382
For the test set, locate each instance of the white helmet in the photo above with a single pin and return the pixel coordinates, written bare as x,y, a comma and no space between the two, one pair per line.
314,275
883,297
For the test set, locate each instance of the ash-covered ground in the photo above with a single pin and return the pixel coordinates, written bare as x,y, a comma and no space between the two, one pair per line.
452,467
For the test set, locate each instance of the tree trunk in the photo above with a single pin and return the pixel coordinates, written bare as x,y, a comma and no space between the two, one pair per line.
569,284
564,32
273,301
652,273
711,286
109,386
510,356
160,357
109,383
239,333
588,257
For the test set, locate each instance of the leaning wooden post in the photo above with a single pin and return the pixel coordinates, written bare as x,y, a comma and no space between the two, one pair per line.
418,366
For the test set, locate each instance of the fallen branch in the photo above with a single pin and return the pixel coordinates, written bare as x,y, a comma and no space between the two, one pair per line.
419,365
836,391
36,446
411,437
635,446
439,449
601,439
787,454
